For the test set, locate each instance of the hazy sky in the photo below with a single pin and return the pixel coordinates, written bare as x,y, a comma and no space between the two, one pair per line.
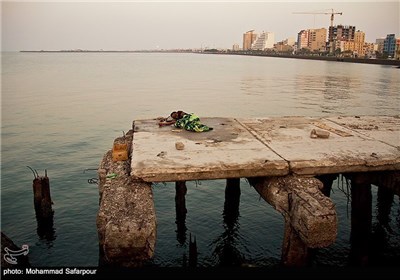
135,25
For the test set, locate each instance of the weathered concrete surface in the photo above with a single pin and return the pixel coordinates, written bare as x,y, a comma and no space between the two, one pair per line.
228,151
383,128
311,214
265,147
126,221
346,149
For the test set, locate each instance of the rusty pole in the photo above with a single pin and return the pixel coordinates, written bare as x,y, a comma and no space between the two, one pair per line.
41,197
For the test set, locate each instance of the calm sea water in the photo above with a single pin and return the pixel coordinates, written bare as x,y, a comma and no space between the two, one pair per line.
62,112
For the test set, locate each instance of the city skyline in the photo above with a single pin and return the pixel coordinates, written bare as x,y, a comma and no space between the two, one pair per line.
134,25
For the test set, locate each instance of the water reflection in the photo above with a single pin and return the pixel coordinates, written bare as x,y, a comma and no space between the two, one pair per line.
338,87
398,215
381,229
226,244
251,85
46,232
369,242
328,91
388,82
383,207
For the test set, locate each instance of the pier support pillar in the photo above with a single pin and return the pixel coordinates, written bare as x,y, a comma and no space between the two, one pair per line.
327,181
126,220
386,179
180,209
385,199
310,216
232,201
361,218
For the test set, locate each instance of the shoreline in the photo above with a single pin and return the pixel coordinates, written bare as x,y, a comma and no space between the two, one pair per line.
323,58
328,58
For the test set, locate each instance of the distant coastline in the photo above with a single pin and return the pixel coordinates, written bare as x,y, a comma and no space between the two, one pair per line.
264,54
109,51
327,58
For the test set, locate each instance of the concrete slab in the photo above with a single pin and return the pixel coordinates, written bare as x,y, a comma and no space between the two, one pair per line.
228,151
265,147
346,150
382,128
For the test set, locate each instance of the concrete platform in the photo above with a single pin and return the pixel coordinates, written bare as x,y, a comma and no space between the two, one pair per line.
265,147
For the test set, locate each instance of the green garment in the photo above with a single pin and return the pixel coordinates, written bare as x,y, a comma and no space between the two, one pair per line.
191,122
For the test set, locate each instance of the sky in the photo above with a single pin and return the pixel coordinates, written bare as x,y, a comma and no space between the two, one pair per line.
139,25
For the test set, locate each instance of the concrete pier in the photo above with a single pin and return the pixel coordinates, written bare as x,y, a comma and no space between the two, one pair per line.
310,216
239,148
126,221
283,158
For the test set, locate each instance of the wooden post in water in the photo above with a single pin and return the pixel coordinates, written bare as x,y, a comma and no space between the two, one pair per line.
42,199
232,201
180,209
361,219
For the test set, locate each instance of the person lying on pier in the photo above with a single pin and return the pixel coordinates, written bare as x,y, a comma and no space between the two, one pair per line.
190,122
171,119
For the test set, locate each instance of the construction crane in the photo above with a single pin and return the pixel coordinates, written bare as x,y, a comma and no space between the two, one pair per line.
332,13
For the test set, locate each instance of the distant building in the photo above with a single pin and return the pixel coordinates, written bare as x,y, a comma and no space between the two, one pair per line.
397,52
341,32
285,46
355,46
369,50
389,45
312,39
379,42
359,42
248,39
289,41
265,41
302,39
317,39
235,47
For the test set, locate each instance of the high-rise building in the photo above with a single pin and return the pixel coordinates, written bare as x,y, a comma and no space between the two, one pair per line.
352,47
341,33
312,39
389,45
317,39
265,41
302,39
379,42
359,40
248,39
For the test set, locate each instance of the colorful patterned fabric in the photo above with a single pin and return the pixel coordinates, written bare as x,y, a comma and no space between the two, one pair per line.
191,122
